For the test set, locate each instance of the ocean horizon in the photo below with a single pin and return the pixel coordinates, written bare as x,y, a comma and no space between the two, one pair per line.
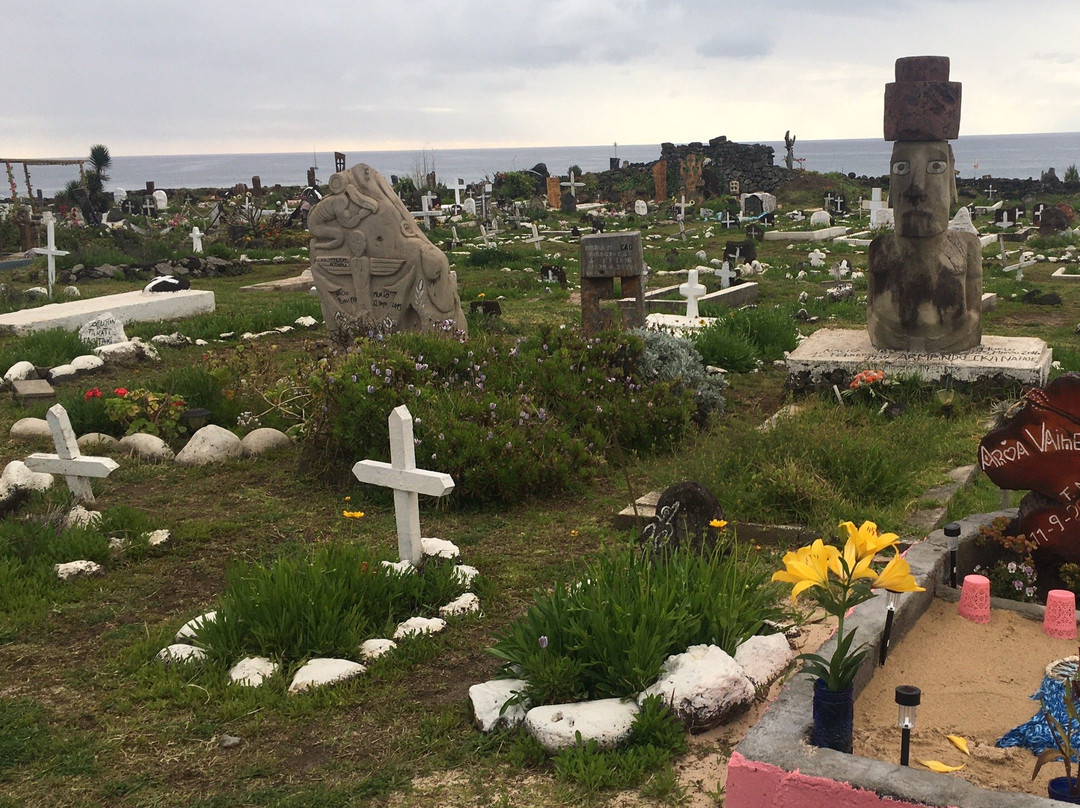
999,156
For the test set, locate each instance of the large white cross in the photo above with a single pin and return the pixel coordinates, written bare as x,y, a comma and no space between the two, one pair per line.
457,188
76,468
536,237
50,248
692,290
407,481
726,275
196,239
427,213
572,185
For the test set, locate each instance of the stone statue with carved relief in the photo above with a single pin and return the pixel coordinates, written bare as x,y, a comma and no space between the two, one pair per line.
925,280
372,266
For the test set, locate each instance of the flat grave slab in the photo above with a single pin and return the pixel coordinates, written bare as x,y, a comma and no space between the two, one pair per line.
303,282
824,234
31,389
741,294
129,307
1025,360
1062,274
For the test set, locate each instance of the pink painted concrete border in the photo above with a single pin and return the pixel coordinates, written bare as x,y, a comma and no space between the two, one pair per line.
751,784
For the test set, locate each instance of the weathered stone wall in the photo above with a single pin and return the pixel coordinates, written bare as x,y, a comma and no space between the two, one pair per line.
750,164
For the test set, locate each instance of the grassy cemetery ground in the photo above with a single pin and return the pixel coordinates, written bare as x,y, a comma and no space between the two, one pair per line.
90,717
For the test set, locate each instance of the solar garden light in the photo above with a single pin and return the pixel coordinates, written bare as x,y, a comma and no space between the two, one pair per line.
907,699
892,600
952,536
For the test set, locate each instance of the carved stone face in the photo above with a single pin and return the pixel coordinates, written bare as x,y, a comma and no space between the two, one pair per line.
922,187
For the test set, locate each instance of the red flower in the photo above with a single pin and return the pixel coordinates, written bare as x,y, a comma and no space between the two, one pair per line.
92,393
120,391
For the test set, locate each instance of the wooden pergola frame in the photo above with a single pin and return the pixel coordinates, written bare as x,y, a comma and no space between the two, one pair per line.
26,169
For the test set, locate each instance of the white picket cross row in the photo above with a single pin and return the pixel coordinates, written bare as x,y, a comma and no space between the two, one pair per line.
407,480
76,468
536,237
50,248
692,290
572,185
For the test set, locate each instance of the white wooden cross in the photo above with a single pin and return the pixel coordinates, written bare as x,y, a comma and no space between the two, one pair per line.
149,206
572,185
196,239
692,290
727,220
427,213
407,481
50,248
455,241
536,237
457,188
990,193
682,206
76,468
726,274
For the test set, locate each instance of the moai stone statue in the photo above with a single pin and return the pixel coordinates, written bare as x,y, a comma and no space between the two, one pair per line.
371,264
925,280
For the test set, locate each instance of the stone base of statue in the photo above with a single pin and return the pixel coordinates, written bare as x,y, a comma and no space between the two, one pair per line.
833,356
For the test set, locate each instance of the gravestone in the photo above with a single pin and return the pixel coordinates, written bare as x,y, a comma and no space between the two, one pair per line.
67,460
552,273
372,266
568,203
692,290
755,232
554,192
820,218
659,173
339,161
469,206
256,185
752,205
49,249
740,252
105,329
605,257
196,239
1038,450
407,481
641,207
683,516
161,199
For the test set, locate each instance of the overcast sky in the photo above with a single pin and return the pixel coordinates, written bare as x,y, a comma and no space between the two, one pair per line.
232,76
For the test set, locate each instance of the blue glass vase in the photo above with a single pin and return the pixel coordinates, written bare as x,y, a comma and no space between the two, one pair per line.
834,716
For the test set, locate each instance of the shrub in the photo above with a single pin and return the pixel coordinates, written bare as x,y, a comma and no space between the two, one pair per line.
609,633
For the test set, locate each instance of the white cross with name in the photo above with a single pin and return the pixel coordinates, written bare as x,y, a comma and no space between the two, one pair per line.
196,239
407,481
990,193
50,248
76,468
427,213
692,290
536,237
726,275
572,185
457,188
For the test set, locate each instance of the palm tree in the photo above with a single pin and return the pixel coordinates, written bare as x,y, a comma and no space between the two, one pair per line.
101,161
96,178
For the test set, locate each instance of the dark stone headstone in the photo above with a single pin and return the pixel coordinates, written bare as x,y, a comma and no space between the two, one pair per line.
755,232
1038,450
753,206
567,203
683,515
490,308
149,186
742,252
256,185
553,273
339,161
311,177
1053,220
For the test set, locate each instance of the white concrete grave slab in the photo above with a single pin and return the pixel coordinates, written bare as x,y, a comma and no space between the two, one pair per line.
129,307
407,481
67,460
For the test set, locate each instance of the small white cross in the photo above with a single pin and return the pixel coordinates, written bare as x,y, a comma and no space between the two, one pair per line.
727,220
196,239
427,213
682,206
50,248
67,460
572,185
990,193
726,274
407,481
692,290
536,237
457,188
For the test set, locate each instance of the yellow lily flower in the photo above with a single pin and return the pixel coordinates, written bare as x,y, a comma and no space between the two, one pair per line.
857,566
897,577
807,567
868,541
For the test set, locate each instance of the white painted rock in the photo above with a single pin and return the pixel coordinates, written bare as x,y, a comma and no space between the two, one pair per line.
324,671
17,476
62,373
488,699
78,569
464,574
97,440
262,440
820,218
71,291
606,721
150,448
817,258
105,329
173,340
81,517
439,548
179,652
20,371
118,543
306,321
764,657
133,349
210,444
373,649
190,629
156,538
704,686
252,671
419,625
404,567
30,429
466,604
37,291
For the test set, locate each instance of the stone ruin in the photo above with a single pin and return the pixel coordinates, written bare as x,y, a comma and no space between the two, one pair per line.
372,266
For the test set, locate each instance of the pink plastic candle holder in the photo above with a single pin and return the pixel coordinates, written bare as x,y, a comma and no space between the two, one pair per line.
975,599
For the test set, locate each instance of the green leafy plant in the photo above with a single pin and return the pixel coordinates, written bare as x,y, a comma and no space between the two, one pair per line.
145,411
1011,568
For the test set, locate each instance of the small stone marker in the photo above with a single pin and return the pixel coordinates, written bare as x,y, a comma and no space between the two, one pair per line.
31,389
692,290
76,468
407,481
641,207
684,513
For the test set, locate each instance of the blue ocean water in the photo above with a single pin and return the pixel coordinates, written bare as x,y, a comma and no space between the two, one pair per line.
1006,156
